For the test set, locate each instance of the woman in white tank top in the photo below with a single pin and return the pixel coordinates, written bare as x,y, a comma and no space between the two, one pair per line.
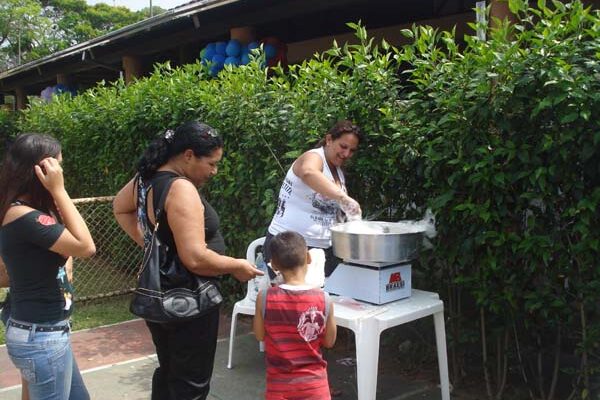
314,190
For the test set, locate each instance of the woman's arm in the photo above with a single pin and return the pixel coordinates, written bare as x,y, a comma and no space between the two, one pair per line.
76,239
185,214
4,281
309,168
125,211
258,324
69,269
330,329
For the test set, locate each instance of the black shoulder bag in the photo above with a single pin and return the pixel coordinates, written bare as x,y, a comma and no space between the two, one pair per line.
167,291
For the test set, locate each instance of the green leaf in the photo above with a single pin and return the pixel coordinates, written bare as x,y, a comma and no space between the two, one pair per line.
568,118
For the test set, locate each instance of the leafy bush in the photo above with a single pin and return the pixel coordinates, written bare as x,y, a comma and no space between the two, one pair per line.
266,121
507,133
8,122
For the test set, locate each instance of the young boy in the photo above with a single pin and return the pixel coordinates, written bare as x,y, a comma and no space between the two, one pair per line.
294,320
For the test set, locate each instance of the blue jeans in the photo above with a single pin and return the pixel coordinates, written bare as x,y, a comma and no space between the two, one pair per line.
46,361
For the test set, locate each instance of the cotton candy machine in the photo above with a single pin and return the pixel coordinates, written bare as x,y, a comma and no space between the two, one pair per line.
376,259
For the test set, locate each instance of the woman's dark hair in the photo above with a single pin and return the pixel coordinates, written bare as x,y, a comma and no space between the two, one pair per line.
341,128
18,177
194,135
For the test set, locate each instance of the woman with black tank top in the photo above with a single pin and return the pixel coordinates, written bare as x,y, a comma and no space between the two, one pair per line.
188,157
41,230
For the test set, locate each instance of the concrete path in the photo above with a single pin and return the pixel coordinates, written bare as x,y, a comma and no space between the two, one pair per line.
117,362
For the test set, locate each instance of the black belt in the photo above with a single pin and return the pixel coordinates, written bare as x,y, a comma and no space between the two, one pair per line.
38,328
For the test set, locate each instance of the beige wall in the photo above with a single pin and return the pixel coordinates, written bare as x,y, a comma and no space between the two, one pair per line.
303,50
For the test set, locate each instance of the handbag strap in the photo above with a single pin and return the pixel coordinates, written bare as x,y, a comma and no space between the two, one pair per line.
142,214
163,198
142,211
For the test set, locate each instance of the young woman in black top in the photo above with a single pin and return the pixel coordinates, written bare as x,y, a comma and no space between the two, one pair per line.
41,229
189,224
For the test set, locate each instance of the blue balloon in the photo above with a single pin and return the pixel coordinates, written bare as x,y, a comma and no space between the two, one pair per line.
244,59
47,93
209,53
232,61
215,68
217,64
220,48
270,50
252,45
218,59
59,88
211,46
233,48
244,50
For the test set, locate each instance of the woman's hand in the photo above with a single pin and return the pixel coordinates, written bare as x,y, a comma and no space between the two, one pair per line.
245,271
50,174
350,207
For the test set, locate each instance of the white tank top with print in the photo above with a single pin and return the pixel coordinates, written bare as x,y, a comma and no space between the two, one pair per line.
301,209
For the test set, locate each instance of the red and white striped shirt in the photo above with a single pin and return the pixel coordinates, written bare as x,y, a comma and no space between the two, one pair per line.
295,321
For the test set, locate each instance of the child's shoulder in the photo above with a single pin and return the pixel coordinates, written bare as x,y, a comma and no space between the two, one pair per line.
300,288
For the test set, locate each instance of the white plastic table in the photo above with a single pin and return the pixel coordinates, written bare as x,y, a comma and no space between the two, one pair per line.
367,321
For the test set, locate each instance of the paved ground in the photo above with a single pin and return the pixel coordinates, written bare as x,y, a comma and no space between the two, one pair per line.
117,362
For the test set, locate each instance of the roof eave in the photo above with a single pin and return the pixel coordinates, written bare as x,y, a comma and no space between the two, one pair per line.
127,31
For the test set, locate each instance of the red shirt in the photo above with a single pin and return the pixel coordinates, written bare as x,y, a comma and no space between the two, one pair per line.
294,328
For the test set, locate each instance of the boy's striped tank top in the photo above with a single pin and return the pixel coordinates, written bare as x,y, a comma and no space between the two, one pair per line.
294,329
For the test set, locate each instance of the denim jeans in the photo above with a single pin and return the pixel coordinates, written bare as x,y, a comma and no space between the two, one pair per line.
46,362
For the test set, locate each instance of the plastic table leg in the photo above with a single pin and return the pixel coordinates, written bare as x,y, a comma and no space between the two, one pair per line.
367,359
440,339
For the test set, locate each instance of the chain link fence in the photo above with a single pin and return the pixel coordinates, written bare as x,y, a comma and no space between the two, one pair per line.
113,269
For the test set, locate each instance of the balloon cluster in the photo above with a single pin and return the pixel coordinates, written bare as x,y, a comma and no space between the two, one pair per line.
233,52
59,88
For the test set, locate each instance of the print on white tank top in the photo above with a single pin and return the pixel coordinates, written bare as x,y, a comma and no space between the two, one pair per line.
301,209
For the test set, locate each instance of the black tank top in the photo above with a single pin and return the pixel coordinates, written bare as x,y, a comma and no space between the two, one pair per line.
212,234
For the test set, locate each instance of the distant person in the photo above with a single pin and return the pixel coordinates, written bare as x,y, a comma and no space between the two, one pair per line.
294,320
186,159
313,195
41,229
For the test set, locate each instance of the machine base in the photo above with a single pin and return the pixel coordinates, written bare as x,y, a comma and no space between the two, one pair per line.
370,284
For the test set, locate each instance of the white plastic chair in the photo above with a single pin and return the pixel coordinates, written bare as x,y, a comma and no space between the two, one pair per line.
248,303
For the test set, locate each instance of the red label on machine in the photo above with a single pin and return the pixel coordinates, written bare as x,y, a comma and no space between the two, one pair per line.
396,282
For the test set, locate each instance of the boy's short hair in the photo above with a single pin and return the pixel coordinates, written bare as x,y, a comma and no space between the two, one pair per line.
288,250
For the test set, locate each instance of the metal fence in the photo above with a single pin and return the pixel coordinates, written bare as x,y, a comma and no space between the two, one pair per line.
113,269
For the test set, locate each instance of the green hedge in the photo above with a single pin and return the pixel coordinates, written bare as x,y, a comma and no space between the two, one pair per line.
8,125
266,121
507,134
500,138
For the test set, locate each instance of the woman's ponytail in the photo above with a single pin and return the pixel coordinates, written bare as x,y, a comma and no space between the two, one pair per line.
156,154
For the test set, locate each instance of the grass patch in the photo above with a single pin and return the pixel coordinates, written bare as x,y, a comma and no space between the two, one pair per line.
95,313
100,312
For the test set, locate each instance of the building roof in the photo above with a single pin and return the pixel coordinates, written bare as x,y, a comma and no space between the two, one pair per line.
190,26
